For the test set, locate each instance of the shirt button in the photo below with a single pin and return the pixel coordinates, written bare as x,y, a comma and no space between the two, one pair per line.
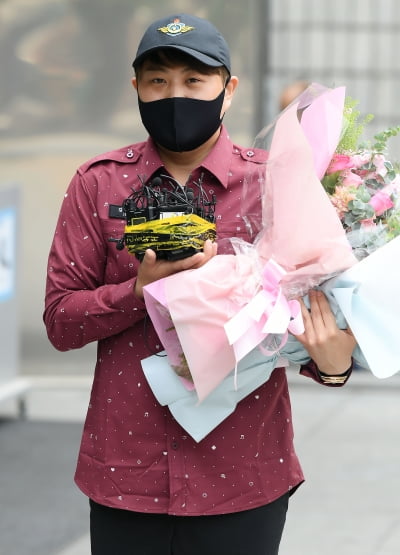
175,445
250,153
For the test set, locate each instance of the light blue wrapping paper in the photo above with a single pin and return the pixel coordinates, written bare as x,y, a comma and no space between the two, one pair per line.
198,419
367,295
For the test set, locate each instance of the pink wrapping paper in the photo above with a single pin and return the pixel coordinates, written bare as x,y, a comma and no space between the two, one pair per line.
324,136
157,307
305,237
200,302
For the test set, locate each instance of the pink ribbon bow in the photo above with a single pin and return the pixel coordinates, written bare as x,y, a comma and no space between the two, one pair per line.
268,312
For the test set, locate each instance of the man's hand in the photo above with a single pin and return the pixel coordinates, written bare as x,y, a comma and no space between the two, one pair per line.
330,347
152,269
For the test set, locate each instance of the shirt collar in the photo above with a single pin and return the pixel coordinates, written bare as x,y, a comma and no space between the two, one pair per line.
217,161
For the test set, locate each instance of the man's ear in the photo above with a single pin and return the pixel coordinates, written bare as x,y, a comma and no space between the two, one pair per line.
232,84
229,92
134,83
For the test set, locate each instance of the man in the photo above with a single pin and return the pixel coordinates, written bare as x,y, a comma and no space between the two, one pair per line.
153,490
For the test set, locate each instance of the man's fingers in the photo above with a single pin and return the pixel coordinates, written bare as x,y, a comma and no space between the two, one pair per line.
152,269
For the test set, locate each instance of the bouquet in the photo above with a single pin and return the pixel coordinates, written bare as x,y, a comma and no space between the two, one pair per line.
228,324
364,186
233,316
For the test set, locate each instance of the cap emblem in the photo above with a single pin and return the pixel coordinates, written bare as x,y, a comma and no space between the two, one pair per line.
175,28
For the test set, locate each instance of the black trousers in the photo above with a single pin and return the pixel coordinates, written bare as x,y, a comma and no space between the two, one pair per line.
253,532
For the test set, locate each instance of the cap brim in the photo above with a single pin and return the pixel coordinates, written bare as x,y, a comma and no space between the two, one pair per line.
206,60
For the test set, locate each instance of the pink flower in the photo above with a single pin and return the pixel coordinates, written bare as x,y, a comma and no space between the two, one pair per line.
360,159
351,179
381,202
393,186
379,162
368,224
339,163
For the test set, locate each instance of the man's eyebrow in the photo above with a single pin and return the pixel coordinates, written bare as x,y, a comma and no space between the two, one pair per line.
154,66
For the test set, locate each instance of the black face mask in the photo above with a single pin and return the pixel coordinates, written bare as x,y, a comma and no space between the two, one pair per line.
181,124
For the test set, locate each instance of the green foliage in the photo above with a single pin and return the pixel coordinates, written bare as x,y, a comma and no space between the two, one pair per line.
393,225
382,138
329,182
353,126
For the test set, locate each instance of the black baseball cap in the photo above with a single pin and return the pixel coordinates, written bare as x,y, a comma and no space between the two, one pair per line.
195,36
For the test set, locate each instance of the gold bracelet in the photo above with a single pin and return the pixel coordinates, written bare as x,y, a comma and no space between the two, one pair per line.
332,379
